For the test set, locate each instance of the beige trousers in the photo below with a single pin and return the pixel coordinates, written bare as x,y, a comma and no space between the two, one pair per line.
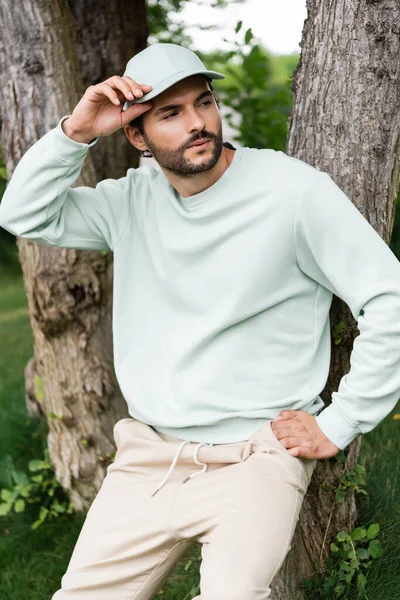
240,500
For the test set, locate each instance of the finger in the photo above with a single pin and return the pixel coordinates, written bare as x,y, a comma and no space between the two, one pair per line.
120,84
134,84
138,89
286,414
296,452
289,441
105,89
287,427
282,430
135,111
299,451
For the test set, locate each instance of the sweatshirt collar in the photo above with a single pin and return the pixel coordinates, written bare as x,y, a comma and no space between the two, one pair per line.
192,202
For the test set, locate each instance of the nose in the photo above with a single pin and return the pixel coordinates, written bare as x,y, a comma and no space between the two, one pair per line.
195,122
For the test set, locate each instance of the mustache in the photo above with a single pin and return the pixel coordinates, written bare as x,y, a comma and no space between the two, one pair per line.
203,135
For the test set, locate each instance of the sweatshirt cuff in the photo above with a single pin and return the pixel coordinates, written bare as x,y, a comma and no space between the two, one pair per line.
66,148
336,426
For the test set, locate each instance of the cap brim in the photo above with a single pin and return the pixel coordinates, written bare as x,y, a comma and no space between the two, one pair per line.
169,82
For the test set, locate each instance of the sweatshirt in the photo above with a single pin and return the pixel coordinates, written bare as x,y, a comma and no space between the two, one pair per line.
221,299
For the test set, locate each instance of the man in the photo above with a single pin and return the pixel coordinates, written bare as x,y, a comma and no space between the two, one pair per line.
225,263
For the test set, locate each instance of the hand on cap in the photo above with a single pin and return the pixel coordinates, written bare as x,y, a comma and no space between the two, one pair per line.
99,112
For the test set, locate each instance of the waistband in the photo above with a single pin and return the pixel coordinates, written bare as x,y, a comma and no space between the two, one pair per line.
262,439
195,458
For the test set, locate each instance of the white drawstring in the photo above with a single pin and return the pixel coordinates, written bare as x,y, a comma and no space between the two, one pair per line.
175,461
197,462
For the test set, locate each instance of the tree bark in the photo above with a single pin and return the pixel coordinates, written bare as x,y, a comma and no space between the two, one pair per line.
345,120
50,52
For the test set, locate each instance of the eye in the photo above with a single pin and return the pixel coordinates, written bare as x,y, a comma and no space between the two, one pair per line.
170,115
205,103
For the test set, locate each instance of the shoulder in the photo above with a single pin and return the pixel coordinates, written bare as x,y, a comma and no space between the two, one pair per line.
289,168
144,175
278,176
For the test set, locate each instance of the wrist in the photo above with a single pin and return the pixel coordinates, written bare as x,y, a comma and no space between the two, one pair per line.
74,133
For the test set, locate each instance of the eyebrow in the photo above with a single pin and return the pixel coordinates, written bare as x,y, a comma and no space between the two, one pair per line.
168,107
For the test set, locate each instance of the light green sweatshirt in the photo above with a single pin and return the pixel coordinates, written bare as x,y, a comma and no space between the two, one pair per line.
221,300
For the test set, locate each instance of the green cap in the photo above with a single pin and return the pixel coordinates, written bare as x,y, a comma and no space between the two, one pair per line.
161,66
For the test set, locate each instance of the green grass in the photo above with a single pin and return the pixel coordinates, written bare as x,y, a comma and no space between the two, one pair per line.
33,562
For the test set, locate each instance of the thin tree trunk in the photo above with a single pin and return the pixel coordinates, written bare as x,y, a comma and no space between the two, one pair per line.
50,52
345,121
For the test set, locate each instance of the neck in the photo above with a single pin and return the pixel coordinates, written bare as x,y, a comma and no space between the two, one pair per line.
189,186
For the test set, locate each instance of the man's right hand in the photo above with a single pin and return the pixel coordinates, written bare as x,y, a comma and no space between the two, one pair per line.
99,112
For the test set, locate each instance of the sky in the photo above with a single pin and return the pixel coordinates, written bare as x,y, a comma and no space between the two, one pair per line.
278,23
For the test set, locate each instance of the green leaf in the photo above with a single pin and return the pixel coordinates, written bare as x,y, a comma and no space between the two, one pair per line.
35,464
5,509
334,548
362,553
6,468
235,75
373,530
19,506
6,495
349,577
375,548
340,496
36,524
58,507
20,478
188,564
339,588
37,478
248,36
43,513
341,536
52,415
359,533
38,388
238,26
361,581
344,565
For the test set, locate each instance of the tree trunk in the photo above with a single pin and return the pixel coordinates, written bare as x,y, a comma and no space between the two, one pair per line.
50,52
345,121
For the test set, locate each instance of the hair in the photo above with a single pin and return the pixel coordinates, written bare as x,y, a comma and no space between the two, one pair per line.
138,122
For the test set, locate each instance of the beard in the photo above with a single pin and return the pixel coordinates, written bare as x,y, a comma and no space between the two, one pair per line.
176,162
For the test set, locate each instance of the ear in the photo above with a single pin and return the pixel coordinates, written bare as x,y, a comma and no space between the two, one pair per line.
135,137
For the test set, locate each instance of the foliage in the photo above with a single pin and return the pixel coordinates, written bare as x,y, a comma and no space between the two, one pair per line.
351,556
253,93
337,332
40,488
162,28
8,251
164,24
349,482
395,240
3,173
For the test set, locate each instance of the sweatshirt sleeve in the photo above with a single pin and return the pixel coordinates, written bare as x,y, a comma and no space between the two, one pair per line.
337,247
40,204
